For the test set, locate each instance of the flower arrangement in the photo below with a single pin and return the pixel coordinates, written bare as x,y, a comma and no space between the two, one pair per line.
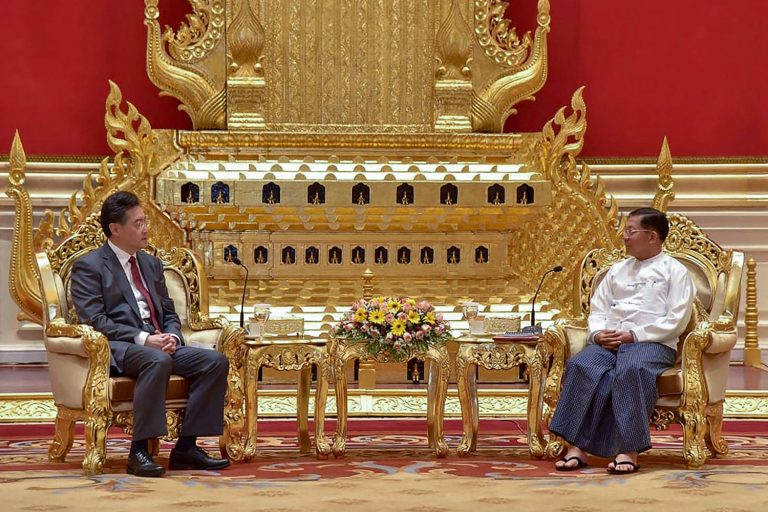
397,326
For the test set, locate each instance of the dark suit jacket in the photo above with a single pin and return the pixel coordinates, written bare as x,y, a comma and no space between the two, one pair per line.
103,298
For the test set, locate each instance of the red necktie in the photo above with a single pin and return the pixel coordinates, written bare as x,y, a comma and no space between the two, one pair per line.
143,291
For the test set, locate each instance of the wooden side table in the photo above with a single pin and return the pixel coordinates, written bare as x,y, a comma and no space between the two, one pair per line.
501,353
289,353
343,350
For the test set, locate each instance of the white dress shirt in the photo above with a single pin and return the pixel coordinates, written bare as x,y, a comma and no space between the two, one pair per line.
651,298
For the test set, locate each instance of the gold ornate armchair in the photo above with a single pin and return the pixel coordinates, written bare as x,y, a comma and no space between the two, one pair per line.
692,392
79,356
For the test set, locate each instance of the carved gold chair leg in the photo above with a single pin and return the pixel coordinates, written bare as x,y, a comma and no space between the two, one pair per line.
322,448
714,437
63,437
694,429
302,408
232,442
95,444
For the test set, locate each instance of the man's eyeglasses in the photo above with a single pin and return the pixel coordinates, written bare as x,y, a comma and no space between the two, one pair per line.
141,224
630,231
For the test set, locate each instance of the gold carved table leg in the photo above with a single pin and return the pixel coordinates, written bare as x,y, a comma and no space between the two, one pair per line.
299,357
439,369
503,356
322,448
340,389
466,381
538,367
302,408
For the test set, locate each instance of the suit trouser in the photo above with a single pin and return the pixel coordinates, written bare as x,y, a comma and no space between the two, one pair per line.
206,370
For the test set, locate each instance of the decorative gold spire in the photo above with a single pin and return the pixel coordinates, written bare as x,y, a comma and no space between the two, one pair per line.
24,276
666,192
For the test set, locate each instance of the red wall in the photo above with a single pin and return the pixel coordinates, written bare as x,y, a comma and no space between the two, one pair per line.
690,69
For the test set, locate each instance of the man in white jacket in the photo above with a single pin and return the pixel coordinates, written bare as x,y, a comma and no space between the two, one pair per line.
637,314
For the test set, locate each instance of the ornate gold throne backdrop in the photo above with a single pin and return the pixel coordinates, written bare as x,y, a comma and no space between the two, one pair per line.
334,136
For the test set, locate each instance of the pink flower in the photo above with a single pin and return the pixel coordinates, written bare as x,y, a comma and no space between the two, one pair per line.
426,328
397,345
389,336
407,307
439,317
402,316
348,327
419,335
407,337
390,318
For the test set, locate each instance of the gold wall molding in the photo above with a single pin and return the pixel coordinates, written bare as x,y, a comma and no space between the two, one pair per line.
385,403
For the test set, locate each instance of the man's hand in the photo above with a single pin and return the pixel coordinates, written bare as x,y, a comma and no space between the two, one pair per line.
611,339
160,341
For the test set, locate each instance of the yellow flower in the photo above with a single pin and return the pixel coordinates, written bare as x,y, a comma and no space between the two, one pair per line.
410,301
429,318
393,306
414,317
398,327
376,316
360,315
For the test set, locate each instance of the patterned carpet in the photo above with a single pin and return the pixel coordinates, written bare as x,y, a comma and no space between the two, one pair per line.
388,467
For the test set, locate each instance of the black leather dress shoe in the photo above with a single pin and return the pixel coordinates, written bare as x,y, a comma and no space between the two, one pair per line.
195,458
141,464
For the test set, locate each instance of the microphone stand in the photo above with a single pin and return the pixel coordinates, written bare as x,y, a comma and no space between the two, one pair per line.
532,328
237,261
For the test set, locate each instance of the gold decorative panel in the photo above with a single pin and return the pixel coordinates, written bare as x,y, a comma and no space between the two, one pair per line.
349,65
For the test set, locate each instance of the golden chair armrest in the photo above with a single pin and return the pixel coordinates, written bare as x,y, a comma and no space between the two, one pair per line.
78,340
205,322
722,333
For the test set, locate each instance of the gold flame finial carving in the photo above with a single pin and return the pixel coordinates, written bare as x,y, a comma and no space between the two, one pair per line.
520,64
197,85
581,216
666,192
24,275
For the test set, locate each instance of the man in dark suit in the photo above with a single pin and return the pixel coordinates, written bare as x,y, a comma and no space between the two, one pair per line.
120,290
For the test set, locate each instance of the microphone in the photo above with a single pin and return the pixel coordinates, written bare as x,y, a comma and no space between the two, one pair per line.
237,261
533,328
